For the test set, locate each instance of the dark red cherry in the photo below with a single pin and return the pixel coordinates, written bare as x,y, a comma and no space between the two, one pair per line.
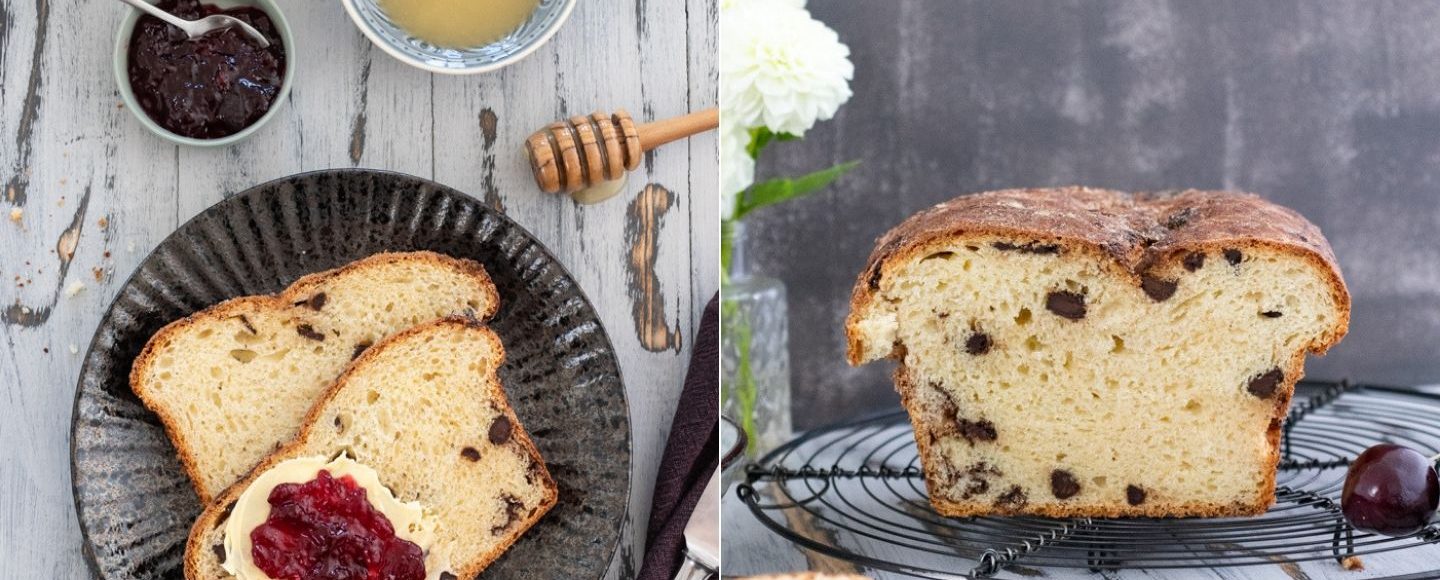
1390,490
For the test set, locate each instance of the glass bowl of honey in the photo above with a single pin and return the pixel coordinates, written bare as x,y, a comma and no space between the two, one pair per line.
459,36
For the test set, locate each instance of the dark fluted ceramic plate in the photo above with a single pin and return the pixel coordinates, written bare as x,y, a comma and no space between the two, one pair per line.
134,501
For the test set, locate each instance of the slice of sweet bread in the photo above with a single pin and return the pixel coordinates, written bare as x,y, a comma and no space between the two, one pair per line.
1082,352
232,382
425,414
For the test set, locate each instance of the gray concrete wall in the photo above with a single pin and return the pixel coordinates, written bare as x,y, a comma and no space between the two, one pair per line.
1332,108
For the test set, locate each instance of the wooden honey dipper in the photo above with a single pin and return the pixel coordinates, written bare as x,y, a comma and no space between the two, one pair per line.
583,154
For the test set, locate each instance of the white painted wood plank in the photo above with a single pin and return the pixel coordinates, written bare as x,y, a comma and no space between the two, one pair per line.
702,198
69,154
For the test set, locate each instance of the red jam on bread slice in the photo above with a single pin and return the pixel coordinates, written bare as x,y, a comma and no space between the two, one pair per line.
326,529
313,518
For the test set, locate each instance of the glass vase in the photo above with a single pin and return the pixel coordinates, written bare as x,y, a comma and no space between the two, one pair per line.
755,351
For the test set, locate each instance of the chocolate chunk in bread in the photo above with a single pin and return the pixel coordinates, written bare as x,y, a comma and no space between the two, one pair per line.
309,332
1264,385
1194,261
1063,484
1066,304
977,344
500,430
1134,494
315,302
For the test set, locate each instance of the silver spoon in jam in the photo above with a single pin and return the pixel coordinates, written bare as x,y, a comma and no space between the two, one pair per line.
197,28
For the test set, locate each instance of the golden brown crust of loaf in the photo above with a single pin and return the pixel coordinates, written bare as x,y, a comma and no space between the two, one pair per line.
1134,230
284,301
211,517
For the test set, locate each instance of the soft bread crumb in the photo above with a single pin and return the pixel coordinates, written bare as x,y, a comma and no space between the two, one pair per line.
74,349
1126,403
472,464
74,288
1352,563
237,379
1081,352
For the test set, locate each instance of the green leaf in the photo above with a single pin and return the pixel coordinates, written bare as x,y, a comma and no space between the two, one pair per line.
727,246
777,190
762,136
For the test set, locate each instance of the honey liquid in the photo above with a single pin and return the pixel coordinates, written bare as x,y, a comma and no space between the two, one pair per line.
458,23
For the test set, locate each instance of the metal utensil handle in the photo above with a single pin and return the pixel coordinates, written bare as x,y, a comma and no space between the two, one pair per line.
196,28
694,569
152,10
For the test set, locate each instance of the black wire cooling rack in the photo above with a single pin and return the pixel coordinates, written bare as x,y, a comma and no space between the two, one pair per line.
863,480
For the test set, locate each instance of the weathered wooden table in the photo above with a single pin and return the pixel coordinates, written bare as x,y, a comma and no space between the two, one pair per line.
84,172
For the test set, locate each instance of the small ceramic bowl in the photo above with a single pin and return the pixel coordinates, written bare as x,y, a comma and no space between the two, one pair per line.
122,75
542,24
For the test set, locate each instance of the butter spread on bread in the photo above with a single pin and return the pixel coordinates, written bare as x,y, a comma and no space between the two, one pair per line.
411,520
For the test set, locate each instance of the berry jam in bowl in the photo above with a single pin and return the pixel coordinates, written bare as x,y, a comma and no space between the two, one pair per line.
210,91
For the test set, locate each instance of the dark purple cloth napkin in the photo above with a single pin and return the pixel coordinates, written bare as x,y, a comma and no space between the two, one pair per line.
691,454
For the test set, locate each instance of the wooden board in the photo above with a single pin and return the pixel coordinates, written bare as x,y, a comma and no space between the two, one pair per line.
71,157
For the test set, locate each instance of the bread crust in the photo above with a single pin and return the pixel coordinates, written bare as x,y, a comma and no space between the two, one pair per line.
210,518
281,302
1130,234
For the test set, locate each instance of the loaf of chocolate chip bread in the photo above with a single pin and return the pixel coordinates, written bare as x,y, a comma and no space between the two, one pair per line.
1081,352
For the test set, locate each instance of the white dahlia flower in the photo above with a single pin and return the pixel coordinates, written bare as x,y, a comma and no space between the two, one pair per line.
779,67
737,168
